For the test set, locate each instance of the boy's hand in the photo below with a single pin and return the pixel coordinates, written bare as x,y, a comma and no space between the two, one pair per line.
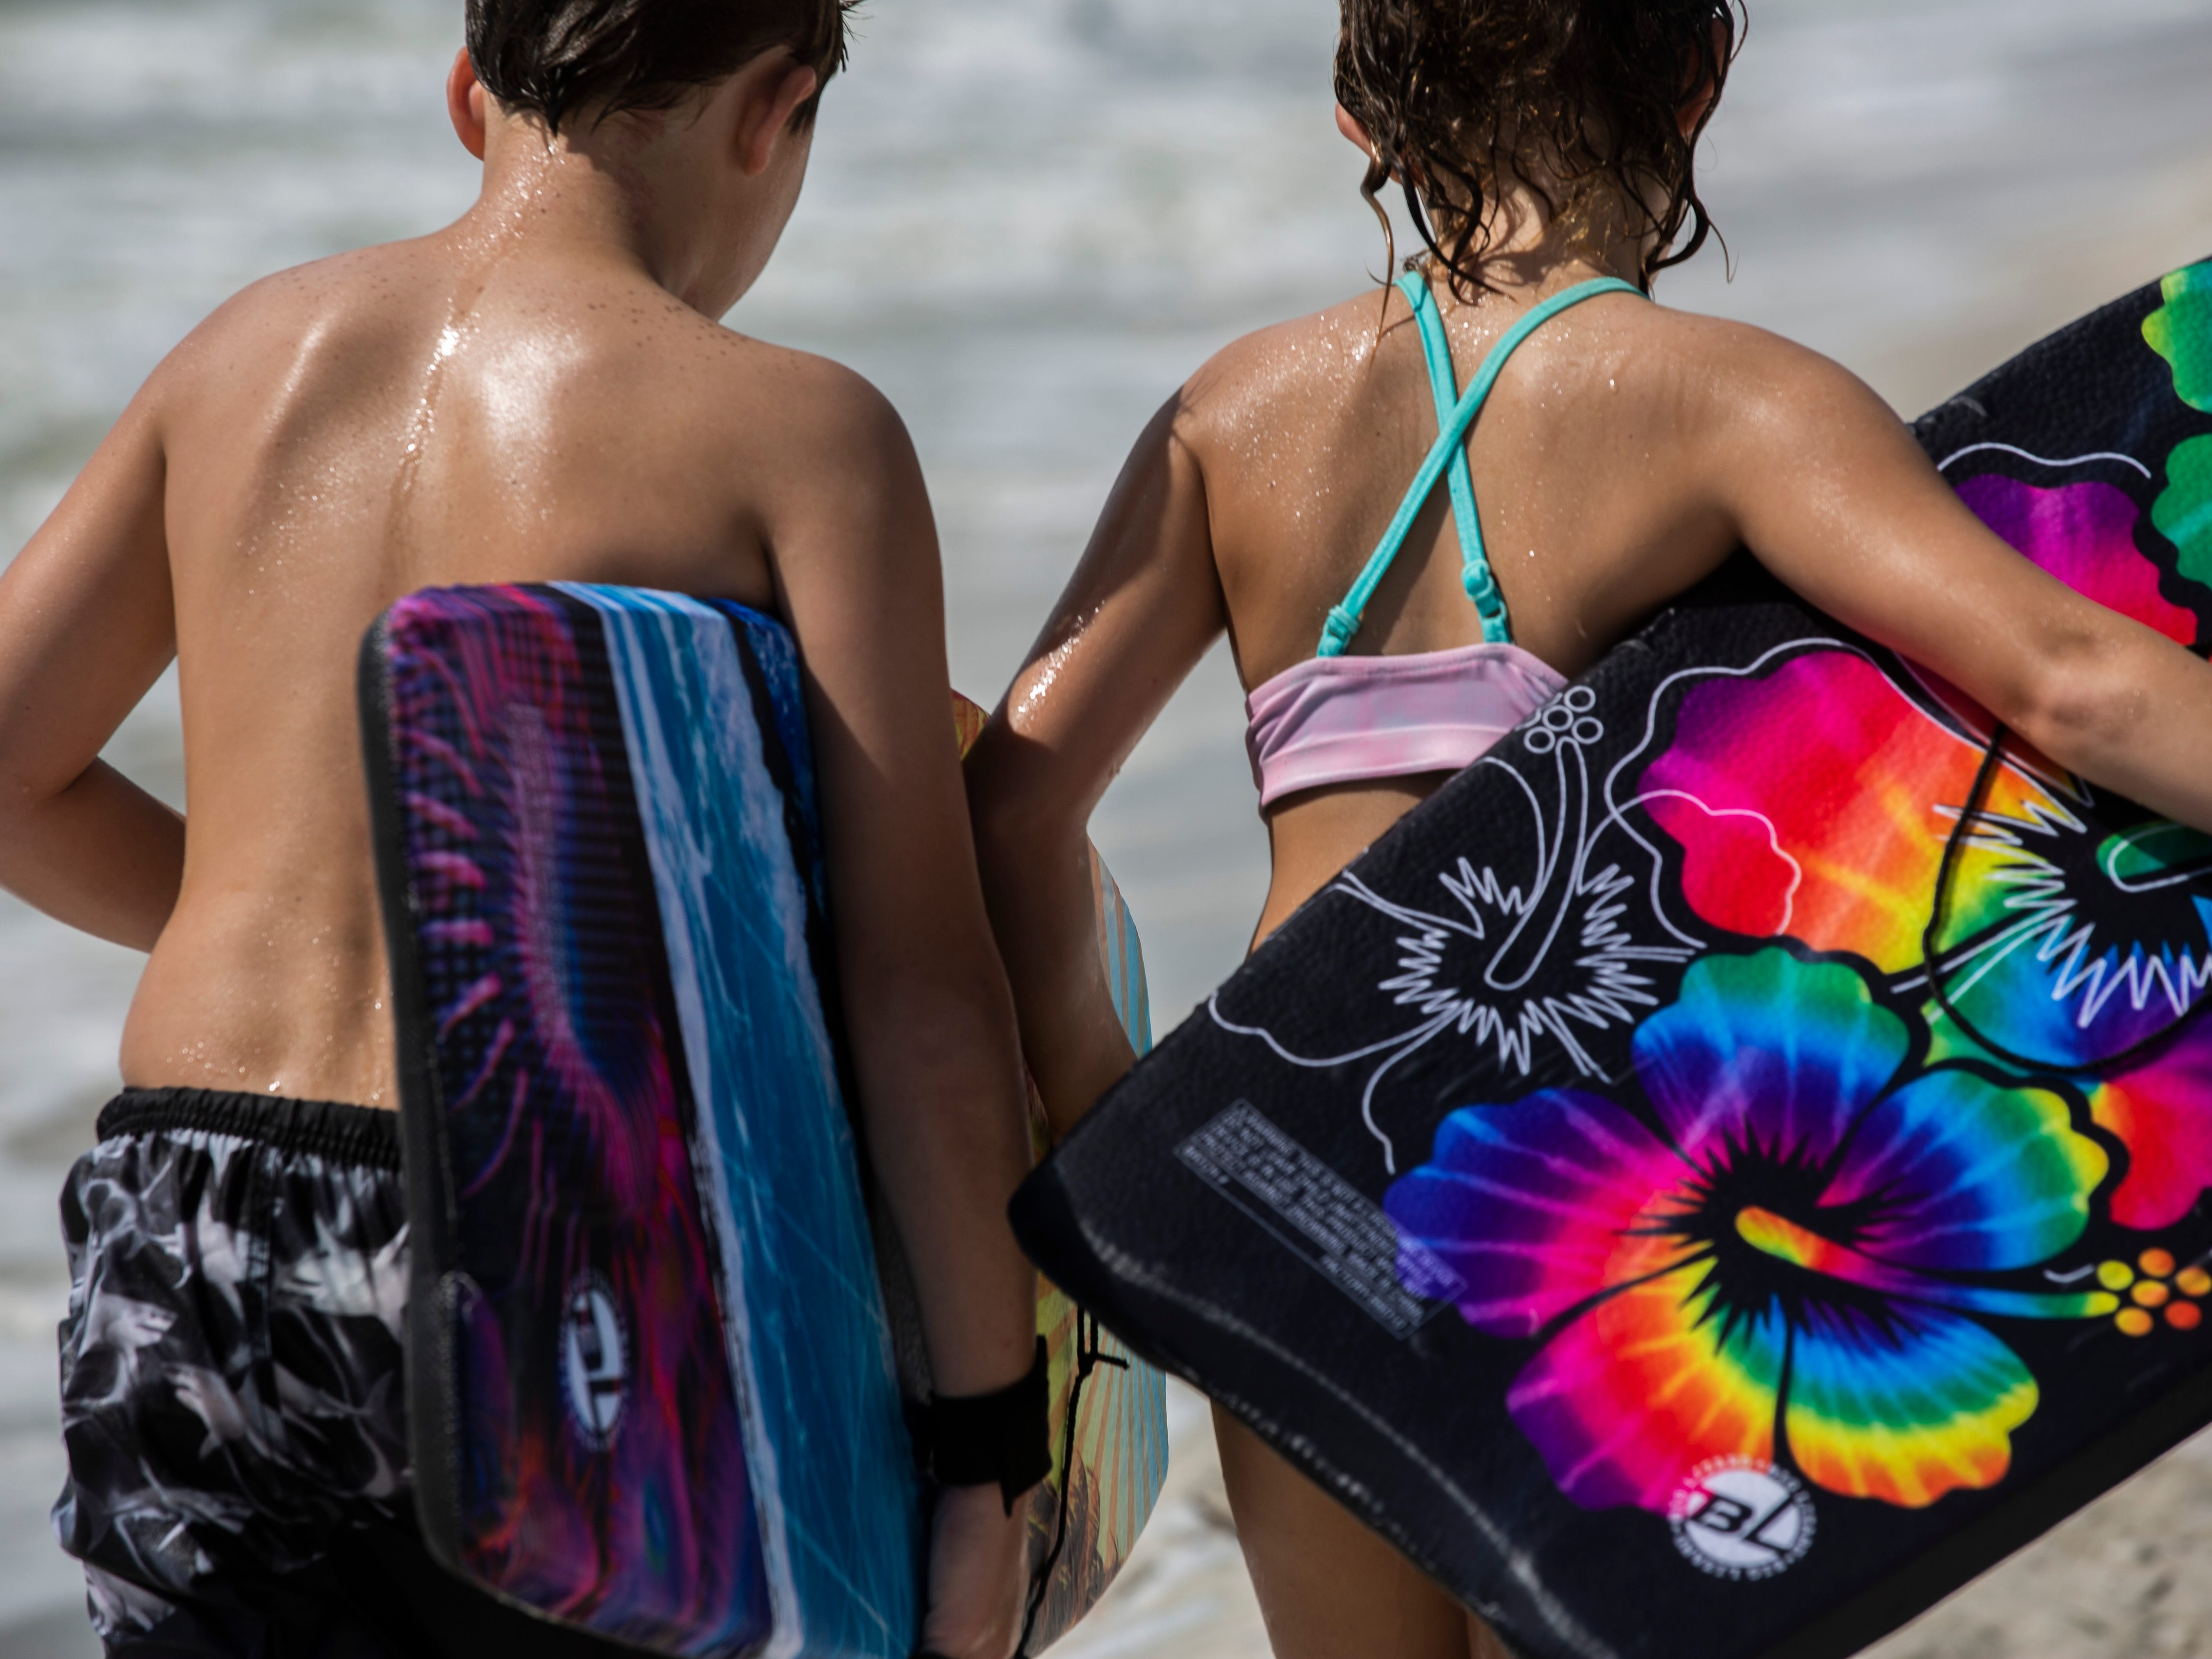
978,1575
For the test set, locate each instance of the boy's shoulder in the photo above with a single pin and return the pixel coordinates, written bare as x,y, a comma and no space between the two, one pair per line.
795,409
300,309
353,317
817,402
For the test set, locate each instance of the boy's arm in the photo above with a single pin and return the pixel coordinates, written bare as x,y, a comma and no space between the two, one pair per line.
927,1011
1143,606
1829,490
87,625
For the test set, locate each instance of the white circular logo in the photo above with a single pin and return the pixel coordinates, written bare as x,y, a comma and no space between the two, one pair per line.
594,1358
1566,719
1740,1517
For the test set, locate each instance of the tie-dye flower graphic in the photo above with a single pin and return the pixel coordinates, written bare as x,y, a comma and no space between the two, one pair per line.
2058,944
2063,947
2180,330
1805,1242
2085,535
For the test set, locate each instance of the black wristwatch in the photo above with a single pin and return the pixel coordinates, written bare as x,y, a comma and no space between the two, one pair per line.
1003,1438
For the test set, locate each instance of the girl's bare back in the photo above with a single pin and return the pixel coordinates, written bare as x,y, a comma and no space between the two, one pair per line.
536,393
1623,453
1307,436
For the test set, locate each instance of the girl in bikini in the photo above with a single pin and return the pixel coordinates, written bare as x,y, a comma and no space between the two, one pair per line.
1545,151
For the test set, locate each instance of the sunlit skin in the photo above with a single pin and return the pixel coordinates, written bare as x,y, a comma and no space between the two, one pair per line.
1627,451
538,393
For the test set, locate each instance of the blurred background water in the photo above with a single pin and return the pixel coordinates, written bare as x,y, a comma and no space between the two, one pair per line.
1029,221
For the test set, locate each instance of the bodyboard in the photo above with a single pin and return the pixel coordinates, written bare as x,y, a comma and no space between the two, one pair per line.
1733,1163
1109,1446
653,1389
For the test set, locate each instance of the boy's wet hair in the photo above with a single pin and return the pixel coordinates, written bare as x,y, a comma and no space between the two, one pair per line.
1452,91
559,60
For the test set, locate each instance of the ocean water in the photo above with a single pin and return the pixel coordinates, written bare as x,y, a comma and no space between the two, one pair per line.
1028,221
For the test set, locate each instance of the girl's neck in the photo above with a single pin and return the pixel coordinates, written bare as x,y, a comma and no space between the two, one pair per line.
1534,249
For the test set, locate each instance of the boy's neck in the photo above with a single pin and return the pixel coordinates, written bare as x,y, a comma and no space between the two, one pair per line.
692,198
588,197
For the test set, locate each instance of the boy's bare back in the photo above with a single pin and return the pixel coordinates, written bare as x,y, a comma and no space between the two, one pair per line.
412,416
431,412
538,393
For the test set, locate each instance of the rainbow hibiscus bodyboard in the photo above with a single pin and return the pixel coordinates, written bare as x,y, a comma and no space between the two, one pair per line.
1737,1161
657,1347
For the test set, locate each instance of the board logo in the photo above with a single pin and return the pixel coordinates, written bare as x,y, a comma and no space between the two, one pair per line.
594,1358
1741,1517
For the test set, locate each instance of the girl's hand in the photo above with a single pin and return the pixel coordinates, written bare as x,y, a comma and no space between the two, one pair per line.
978,1575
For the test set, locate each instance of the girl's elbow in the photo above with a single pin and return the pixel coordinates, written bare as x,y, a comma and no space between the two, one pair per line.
1001,818
1014,808
2086,707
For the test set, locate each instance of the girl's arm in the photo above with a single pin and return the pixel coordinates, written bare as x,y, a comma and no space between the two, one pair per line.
1140,611
86,624
1827,487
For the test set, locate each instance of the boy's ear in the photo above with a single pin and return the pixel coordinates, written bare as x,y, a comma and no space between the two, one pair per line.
464,104
766,114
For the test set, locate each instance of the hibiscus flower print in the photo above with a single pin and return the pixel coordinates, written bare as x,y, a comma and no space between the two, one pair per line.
1803,1251
2064,940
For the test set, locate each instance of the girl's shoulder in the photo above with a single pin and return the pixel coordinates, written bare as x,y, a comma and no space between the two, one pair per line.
1728,369
1298,371
1348,360
1738,391
1342,395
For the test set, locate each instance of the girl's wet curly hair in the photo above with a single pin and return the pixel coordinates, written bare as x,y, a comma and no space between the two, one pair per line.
1452,92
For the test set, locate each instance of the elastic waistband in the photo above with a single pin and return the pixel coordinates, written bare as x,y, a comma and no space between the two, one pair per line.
325,1128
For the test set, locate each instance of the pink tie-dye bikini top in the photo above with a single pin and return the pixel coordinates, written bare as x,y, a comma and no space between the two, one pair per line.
1336,719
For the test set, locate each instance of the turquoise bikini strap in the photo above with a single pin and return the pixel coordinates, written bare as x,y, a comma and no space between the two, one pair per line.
1443,381
1344,620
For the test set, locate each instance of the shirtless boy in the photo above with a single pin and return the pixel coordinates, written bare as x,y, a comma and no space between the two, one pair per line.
539,392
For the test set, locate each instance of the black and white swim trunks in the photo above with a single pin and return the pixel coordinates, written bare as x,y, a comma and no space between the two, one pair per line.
231,1389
